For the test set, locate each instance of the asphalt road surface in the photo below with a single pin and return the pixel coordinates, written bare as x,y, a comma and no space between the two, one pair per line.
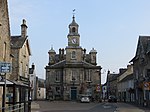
60,106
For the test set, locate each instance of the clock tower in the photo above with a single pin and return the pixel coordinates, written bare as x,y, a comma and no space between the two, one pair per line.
73,50
73,72
73,36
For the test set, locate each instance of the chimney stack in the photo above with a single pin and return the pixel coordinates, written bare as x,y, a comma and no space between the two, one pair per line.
24,29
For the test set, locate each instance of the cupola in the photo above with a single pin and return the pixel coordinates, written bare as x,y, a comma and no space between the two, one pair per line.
73,27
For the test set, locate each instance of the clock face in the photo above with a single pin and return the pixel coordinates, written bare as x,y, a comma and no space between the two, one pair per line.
74,40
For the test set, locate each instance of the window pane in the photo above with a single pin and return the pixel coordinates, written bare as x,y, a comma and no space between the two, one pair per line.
73,54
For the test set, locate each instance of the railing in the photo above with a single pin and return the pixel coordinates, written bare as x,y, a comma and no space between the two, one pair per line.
13,108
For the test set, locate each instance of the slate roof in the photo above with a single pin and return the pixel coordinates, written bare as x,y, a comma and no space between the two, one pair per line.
143,47
112,76
17,41
143,44
128,77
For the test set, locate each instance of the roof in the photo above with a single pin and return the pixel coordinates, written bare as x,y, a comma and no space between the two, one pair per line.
52,50
143,47
17,42
73,22
129,77
112,77
63,64
93,51
9,82
126,74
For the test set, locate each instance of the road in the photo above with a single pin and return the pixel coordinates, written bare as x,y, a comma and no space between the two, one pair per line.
68,106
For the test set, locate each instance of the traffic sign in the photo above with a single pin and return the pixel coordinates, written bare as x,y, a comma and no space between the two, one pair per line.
98,88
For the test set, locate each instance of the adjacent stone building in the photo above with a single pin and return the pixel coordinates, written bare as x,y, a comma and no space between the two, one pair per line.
141,71
41,89
72,72
20,49
5,53
4,32
33,82
125,85
104,91
111,83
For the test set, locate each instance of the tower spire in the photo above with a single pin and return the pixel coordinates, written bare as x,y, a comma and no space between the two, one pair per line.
73,12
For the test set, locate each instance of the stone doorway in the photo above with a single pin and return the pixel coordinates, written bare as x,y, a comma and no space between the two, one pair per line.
73,93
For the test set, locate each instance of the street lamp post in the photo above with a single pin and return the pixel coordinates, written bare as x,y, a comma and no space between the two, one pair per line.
4,94
100,90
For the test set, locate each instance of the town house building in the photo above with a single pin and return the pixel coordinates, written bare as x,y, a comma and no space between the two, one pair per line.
72,72
111,83
125,85
33,84
141,71
20,49
41,90
5,49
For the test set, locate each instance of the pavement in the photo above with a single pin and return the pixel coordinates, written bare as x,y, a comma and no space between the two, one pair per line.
34,106
121,107
124,107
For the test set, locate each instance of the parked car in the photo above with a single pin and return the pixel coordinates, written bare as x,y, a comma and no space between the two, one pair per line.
85,99
112,98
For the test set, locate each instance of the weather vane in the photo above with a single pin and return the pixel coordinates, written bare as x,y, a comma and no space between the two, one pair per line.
74,11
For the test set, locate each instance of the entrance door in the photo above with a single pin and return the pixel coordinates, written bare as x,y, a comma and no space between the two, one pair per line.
73,93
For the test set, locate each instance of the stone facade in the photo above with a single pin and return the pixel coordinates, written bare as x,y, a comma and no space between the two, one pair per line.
5,55
20,66
141,71
72,72
111,84
126,85
14,50
104,91
21,50
41,90
33,81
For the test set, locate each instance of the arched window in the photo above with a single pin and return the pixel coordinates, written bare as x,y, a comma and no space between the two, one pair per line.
73,56
73,29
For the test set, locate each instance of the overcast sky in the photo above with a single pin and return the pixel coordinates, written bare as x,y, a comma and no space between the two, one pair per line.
112,27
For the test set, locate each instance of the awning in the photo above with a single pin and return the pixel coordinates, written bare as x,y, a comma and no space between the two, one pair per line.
11,83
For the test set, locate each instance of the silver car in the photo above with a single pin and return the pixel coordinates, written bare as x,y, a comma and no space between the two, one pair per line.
85,99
